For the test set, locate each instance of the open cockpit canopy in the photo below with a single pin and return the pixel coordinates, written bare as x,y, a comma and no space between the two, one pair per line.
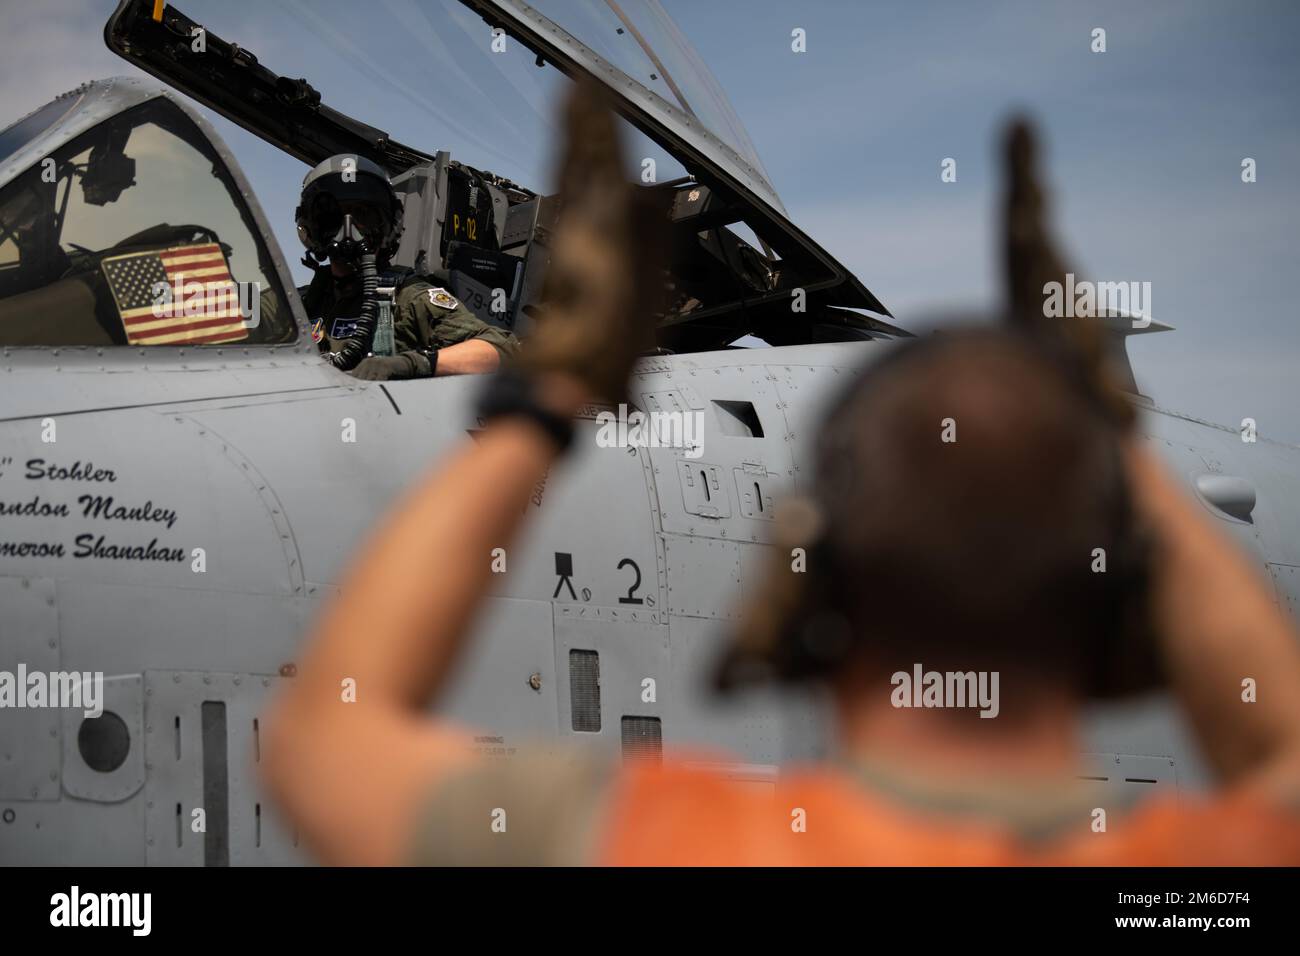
473,77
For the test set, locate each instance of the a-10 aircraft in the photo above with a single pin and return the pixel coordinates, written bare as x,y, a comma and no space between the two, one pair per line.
177,499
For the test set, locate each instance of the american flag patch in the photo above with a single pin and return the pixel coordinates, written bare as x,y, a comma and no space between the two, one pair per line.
205,311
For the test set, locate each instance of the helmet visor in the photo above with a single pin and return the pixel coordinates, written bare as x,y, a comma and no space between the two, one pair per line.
322,215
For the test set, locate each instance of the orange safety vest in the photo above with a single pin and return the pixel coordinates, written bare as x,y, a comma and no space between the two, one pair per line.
682,816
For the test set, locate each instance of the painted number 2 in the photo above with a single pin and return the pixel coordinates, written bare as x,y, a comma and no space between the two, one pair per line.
635,584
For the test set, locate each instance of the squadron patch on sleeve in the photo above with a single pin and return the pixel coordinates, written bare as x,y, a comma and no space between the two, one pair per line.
344,328
443,299
318,330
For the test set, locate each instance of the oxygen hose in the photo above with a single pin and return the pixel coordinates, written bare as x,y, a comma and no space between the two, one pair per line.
358,345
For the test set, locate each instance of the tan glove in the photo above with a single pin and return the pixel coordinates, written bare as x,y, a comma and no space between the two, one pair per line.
1031,260
1132,665
605,285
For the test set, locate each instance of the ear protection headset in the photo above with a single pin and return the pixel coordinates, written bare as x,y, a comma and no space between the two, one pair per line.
798,628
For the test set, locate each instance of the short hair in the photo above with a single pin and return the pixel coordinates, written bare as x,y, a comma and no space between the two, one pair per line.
965,484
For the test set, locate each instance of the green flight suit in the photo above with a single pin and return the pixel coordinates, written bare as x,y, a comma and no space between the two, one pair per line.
426,318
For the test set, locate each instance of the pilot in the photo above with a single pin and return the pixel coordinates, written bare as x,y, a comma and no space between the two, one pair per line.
974,559
350,216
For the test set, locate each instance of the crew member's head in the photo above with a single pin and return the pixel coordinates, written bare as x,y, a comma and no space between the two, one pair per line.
969,511
348,209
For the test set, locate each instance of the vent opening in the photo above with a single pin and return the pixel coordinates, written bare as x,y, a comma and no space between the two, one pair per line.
738,419
643,738
104,742
584,691
216,792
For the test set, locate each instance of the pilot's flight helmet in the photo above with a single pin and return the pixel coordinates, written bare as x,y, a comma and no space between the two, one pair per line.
348,208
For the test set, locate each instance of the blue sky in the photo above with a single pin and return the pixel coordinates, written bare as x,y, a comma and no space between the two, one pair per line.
1144,143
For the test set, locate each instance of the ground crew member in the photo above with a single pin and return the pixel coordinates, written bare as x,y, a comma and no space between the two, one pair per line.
973,555
347,206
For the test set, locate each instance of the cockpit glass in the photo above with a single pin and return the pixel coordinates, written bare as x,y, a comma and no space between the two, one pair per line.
433,74
433,77
639,38
16,135
133,233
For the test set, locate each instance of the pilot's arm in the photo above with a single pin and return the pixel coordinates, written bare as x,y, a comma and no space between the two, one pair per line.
435,334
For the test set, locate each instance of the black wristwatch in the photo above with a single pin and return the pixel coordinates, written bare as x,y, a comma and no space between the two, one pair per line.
424,362
512,392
